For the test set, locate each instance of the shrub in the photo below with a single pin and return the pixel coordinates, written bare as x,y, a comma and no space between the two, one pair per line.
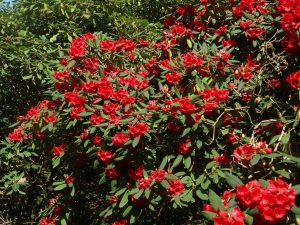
202,123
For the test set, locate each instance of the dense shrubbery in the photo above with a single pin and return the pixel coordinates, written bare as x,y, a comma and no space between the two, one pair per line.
201,123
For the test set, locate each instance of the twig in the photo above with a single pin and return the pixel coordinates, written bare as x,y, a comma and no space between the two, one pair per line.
214,127
257,126
279,139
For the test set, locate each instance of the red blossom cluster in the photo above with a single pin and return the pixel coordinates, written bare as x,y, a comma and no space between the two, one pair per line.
293,80
272,201
244,153
290,12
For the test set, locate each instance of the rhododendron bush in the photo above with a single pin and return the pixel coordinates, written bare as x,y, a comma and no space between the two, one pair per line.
201,126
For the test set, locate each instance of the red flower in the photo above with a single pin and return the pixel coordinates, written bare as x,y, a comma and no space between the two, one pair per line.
104,156
138,129
145,183
136,174
119,139
46,221
245,25
96,140
236,217
84,134
208,208
77,48
57,150
184,147
186,107
222,159
158,175
69,179
108,45
112,173
75,111
173,78
176,187
96,120
120,222
191,59
293,80
255,33
113,199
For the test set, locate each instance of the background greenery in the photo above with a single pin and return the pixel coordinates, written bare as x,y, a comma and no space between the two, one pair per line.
32,32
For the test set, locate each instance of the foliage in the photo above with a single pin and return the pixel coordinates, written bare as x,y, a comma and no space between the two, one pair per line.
201,123
32,33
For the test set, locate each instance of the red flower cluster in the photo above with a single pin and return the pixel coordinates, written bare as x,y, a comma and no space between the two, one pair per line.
120,222
184,148
176,187
104,156
290,11
236,217
244,153
272,201
69,179
57,150
293,80
119,139
138,129
118,45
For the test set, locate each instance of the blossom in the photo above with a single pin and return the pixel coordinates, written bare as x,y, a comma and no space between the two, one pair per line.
112,173
293,79
57,150
236,217
69,179
119,139
176,187
96,120
145,183
184,147
104,156
51,118
136,174
255,33
173,78
138,129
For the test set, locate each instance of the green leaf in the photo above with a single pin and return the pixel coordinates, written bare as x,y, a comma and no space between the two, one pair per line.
187,162
127,211
233,180
73,191
199,144
208,215
136,141
295,210
163,162
63,222
283,173
177,161
297,189
201,195
124,200
215,200
147,193
255,160
186,131
190,44
285,139
274,139
249,219
165,184
55,162
139,194
60,187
